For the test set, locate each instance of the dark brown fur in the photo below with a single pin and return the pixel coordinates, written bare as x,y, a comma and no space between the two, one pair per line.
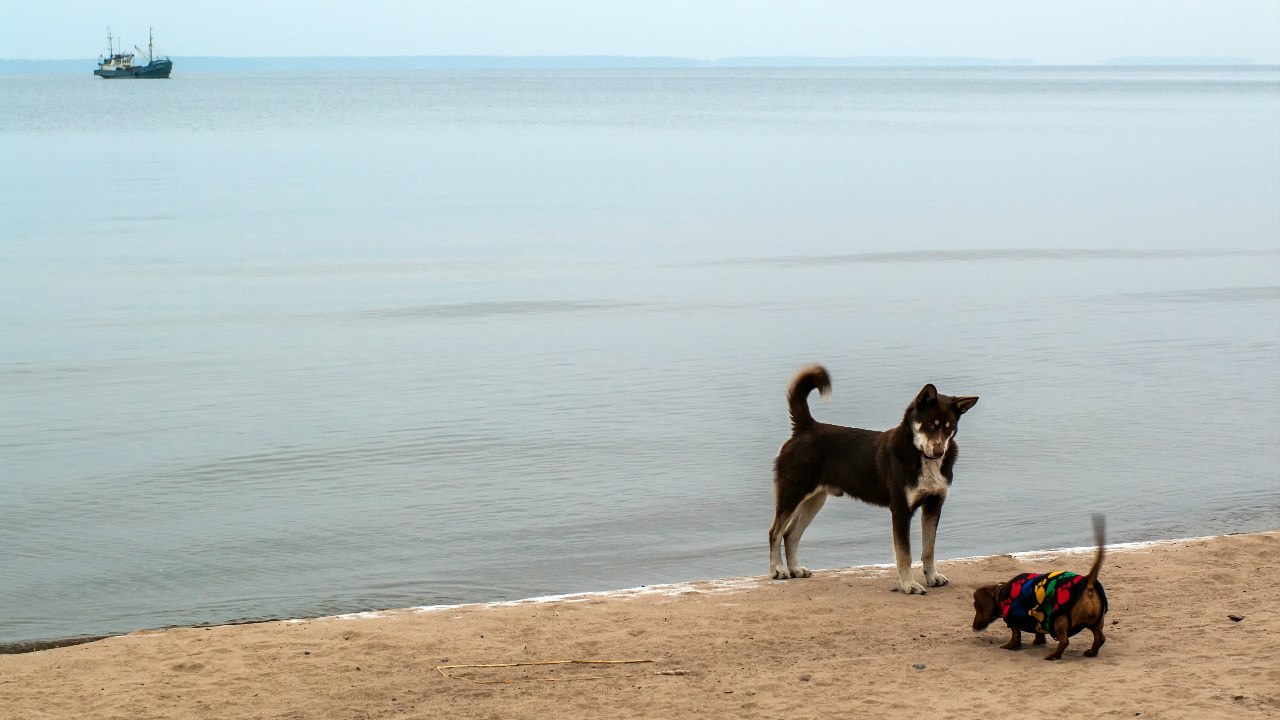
1088,611
877,467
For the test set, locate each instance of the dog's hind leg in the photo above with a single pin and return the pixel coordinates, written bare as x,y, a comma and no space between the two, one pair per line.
931,512
1061,629
902,552
800,520
1098,639
781,519
788,504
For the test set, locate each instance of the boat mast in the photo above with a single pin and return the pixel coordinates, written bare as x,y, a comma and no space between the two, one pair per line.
150,52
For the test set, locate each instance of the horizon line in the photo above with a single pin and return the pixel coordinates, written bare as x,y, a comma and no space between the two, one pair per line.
807,59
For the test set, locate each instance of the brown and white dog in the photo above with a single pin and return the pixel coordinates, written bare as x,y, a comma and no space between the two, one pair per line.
904,468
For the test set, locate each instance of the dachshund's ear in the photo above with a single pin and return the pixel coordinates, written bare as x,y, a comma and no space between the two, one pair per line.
988,590
964,403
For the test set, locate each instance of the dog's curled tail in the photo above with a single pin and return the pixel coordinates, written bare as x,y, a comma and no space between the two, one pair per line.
805,382
1099,537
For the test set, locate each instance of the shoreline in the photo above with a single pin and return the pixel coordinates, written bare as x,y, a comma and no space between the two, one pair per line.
1190,634
19,647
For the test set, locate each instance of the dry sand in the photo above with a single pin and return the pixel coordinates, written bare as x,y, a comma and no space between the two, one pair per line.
839,644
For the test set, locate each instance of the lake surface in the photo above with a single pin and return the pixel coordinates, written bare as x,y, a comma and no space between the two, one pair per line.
277,345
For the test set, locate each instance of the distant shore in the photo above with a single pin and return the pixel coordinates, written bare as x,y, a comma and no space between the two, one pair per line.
201,64
1190,634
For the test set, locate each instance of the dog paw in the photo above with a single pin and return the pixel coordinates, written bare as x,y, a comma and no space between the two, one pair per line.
800,571
1091,653
780,574
1050,657
935,580
912,588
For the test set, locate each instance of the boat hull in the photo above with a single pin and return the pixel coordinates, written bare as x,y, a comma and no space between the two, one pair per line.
152,70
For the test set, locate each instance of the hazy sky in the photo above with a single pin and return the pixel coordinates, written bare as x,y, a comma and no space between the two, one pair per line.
1062,31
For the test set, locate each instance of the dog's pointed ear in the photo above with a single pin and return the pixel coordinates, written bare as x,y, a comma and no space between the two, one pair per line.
928,394
964,403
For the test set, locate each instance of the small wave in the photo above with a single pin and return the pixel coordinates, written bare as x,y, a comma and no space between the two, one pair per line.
1208,295
992,254
489,309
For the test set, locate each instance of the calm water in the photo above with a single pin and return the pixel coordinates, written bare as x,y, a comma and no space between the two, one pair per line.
288,345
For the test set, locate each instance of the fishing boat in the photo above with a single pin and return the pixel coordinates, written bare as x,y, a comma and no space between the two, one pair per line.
121,65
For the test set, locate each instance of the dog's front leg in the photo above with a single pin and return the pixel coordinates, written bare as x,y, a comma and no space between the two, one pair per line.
902,551
1015,640
931,512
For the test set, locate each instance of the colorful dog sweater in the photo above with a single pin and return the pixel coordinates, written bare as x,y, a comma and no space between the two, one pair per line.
1030,602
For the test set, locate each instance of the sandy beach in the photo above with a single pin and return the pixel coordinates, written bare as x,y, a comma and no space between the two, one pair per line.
840,644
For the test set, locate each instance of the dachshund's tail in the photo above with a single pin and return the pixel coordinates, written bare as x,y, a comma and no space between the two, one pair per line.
1099,537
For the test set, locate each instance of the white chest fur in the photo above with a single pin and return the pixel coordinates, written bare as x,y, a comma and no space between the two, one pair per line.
930,482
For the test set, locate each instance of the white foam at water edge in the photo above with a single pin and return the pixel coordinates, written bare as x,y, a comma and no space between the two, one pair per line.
743,583
366,615
721,585
1038,554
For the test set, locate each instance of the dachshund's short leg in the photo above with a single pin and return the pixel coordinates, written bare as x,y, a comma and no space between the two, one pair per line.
1015,641
1098,639
1061,628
